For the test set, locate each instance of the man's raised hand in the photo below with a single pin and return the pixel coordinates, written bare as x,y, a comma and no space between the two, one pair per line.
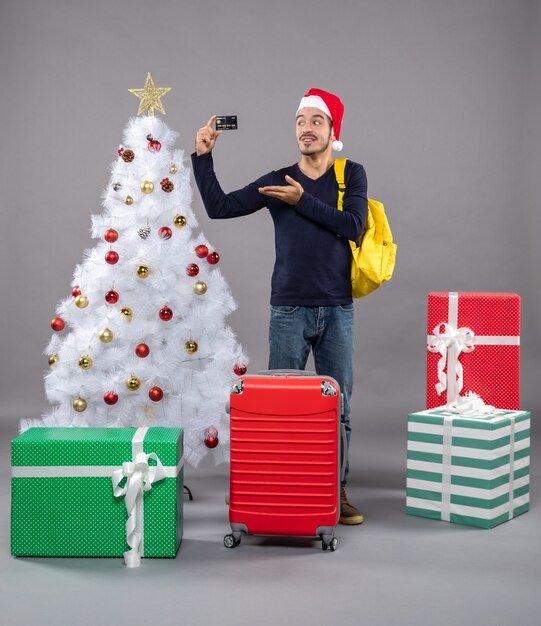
205,137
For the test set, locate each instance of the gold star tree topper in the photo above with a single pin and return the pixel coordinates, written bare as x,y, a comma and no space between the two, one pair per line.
150,97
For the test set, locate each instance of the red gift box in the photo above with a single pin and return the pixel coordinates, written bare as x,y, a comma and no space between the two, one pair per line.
473,342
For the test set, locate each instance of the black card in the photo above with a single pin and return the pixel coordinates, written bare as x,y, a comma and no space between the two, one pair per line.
226,122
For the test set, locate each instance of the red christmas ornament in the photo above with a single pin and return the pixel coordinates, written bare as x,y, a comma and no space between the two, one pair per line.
111,296
192,269
111,257
57,323
142,350
155,394
76,291
109,397
211,437
154,145
213,258
240,369
165,232
166,314
110,235
201,251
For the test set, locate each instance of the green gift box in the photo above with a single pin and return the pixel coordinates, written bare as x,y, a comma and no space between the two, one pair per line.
93,492
468,470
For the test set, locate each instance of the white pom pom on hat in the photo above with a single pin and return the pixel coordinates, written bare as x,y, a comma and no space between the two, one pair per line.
331,105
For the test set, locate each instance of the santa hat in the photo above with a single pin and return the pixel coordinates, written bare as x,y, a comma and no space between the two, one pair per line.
331,105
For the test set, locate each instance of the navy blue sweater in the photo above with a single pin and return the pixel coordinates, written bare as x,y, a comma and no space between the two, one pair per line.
313,255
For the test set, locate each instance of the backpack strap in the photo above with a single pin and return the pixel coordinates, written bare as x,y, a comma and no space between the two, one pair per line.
340,174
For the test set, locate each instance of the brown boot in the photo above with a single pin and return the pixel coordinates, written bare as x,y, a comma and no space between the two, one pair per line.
348,513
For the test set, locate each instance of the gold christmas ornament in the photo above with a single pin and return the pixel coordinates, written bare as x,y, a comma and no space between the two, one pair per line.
79,404
133,383
147,186
81,301
106,335
143,271
191,346
128,200
85,362
173,169
179,221
150,96
126,312
53,359
200,287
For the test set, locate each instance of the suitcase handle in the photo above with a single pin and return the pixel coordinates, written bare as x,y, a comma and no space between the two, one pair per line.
286,372
343,448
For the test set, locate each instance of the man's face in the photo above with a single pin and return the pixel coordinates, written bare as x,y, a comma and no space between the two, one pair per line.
313,130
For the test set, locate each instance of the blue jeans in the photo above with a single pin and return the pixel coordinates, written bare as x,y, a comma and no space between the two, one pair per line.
330,332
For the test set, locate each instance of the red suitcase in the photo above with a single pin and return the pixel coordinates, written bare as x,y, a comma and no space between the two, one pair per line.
285,456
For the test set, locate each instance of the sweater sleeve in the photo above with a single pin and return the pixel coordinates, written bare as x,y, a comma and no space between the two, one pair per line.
218,204
348,223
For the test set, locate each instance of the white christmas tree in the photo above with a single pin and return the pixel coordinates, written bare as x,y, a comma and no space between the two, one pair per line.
142,340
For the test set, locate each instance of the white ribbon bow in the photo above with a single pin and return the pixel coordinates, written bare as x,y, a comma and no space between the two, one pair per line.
442,341
470,405
139,477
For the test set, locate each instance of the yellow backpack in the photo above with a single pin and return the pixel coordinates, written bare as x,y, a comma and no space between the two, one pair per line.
374,255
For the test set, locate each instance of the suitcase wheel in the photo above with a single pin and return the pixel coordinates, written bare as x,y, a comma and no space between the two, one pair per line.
332,543
231,542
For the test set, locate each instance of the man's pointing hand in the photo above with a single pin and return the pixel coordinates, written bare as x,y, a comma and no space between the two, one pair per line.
290,194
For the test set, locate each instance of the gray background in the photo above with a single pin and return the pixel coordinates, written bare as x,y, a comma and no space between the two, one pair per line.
442,107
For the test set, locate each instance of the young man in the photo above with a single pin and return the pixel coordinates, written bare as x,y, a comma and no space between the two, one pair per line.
311,303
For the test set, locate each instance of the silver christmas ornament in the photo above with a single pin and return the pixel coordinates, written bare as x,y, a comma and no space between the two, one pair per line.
144,232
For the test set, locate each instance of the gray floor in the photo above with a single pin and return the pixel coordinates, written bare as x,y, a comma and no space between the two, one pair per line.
395,569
